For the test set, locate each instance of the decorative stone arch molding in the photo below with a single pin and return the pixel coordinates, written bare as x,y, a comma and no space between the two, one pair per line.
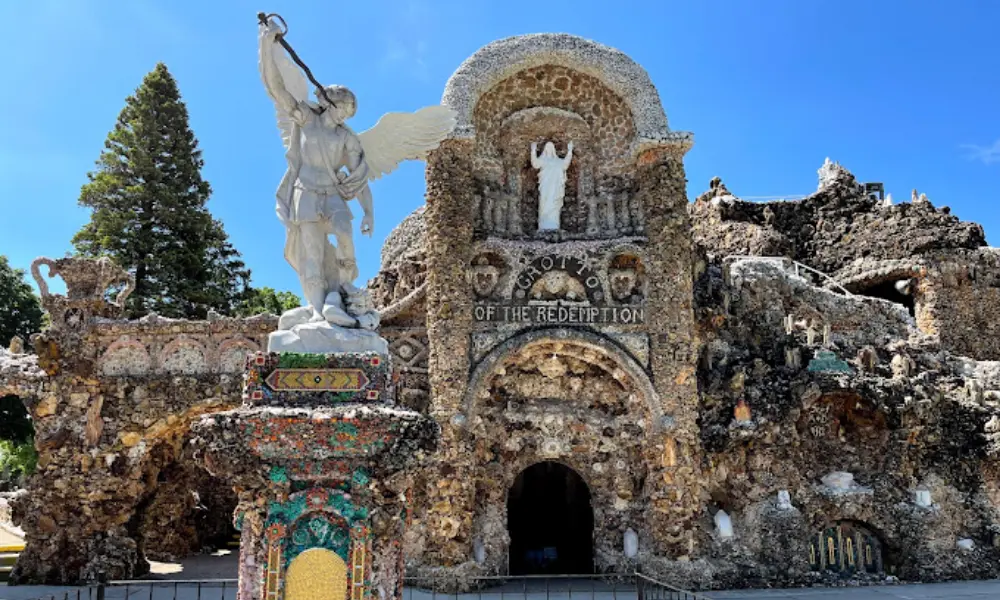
184,355
581,338
503,58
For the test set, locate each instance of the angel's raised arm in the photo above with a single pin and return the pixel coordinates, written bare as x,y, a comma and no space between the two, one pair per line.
274,83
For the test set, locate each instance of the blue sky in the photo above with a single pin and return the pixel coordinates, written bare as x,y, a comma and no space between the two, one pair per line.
903,92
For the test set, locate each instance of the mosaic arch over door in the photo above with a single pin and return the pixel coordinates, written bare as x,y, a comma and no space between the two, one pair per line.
550,519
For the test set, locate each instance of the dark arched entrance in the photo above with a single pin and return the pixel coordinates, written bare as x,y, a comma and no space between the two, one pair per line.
550,521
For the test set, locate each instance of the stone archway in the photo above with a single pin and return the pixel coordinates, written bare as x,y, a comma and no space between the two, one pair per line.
562,397
592,349
550,520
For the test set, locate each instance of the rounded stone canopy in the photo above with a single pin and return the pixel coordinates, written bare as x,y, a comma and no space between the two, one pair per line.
406,237
499,60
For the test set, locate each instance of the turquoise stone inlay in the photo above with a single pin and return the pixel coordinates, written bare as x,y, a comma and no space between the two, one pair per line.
827,362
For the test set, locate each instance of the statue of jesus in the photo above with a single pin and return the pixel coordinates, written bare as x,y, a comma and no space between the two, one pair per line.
551,183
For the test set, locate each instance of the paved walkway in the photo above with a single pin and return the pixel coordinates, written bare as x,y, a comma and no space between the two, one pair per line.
962,590
223,566
9,538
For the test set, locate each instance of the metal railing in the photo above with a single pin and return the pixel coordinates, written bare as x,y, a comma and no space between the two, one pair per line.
630,586
178,589
620,586
811,275
151,589
648,588
521,587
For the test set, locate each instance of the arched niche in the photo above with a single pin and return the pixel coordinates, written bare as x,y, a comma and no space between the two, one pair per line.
845,415
514,211
846,547
568,346
501,60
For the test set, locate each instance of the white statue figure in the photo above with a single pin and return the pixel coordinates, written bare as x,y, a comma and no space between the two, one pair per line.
631,543
328,165
723,525
551,183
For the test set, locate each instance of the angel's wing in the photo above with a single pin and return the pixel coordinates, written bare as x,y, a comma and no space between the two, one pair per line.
297,85
404,136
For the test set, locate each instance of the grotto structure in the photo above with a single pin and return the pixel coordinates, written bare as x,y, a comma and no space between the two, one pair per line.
720,393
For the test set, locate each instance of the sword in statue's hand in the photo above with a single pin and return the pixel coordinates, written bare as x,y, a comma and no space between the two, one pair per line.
280,38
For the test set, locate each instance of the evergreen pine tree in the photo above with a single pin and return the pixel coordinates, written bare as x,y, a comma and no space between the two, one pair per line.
149,215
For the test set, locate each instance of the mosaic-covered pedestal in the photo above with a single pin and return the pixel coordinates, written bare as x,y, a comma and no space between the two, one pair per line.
317,454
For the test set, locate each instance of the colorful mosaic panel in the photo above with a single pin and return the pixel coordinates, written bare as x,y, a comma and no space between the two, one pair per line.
317,574
317,519
302,437
326,380
312,500
828,362
289,379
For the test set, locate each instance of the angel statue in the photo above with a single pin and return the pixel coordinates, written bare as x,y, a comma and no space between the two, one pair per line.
328,165
551,183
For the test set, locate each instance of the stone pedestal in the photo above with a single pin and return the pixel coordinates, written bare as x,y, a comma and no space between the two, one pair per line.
317,454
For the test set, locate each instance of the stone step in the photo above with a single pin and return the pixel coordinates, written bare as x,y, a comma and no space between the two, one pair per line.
5,573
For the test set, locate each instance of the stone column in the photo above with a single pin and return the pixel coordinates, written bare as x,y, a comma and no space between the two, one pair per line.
514,195
624,222
673,456
448,498
586,194
319,451
501,211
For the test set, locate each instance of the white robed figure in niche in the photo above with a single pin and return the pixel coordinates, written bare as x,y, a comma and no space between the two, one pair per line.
551,183
328,165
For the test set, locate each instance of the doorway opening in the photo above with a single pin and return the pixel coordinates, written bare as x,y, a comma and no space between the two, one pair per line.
551,522
900,292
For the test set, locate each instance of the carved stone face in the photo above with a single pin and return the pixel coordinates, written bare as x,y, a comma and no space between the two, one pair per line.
484,279
622,283
549,150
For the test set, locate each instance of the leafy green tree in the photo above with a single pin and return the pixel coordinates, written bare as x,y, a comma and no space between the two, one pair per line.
20,312
149,213
17,461
266,300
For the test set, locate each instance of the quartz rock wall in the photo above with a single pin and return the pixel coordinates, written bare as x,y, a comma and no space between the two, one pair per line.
884,404
112,402
941,264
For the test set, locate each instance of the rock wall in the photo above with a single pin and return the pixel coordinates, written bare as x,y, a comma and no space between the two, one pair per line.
764,377
885,405
872,246
112,402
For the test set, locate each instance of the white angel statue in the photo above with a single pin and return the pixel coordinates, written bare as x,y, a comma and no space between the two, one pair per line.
328,165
